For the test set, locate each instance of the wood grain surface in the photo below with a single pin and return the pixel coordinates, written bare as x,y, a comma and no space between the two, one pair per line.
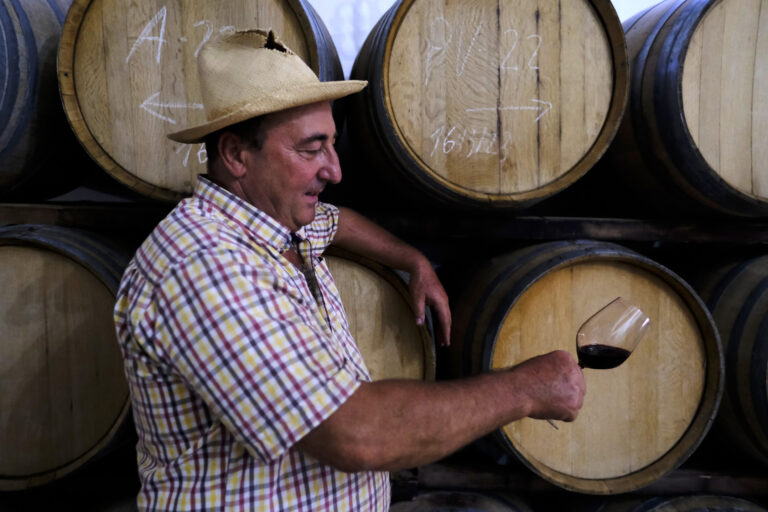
725,92
500,101
63,389
382,321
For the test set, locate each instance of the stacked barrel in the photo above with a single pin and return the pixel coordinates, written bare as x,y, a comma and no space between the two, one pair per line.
478,106
64,397
693,138
36,147
479,111
639,421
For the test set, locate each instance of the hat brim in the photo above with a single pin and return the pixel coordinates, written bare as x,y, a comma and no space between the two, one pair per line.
276,101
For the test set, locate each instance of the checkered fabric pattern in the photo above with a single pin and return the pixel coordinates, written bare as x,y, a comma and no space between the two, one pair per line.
230,360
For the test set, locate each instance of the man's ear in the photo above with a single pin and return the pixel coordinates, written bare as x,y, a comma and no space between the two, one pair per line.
232,152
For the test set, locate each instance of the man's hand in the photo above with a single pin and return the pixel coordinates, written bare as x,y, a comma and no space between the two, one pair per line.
359,235
426,290
554,384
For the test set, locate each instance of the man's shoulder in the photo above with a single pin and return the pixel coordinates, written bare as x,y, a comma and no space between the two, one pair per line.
188,234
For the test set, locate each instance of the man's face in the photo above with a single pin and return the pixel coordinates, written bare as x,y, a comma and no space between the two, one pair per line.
297,160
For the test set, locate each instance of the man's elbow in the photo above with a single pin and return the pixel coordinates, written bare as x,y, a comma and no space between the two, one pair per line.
350,456
352,459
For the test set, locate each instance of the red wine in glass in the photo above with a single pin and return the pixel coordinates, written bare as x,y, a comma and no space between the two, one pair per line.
601,357
609,336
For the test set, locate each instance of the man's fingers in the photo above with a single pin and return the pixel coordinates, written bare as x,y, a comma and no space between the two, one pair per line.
419,301
443,319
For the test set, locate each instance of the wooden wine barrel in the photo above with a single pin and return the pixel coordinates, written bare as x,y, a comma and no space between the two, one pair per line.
63,394
460,501
737,296
640,420
693,137
382,319
683,504
481,106
35,142
128,76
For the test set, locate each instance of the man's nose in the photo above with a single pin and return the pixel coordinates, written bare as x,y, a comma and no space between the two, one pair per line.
331,170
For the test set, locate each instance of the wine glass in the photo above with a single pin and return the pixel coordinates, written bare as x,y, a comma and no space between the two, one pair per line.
607,338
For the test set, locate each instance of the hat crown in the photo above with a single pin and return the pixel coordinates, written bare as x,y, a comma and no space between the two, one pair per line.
241,66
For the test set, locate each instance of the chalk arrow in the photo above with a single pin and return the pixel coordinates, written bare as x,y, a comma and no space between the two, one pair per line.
152,102
543,107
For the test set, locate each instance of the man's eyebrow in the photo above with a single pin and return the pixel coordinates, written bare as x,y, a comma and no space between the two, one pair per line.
322,137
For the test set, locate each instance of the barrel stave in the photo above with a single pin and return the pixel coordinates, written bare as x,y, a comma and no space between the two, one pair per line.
381,318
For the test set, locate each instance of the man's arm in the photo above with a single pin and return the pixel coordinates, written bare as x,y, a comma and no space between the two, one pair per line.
359,235
396,424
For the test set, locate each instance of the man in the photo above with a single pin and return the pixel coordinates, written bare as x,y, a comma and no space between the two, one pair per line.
248,390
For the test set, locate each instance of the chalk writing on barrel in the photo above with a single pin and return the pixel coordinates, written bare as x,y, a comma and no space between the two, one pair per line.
202,154
468,142
441,35
531,60
542,106
158,22
160,17
152,102
154,33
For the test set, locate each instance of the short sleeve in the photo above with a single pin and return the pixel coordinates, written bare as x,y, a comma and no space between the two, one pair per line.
253,350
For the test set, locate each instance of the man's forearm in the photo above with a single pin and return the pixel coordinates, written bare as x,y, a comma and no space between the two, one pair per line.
397,424
413,422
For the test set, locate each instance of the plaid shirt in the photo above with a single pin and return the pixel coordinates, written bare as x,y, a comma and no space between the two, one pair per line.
230,360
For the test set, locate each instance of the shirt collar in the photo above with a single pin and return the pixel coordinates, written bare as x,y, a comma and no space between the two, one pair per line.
252,219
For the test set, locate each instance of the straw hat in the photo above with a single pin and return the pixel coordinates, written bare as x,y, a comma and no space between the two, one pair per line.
251,73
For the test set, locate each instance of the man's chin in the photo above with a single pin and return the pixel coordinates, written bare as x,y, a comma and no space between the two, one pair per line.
308,216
